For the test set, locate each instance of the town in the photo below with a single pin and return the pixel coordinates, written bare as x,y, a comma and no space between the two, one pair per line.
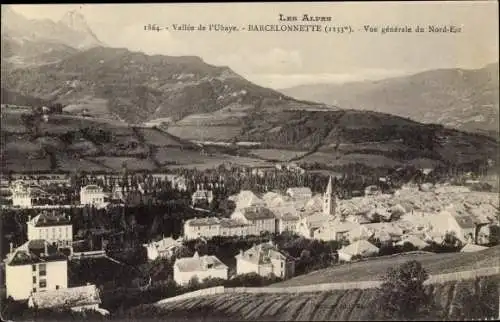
64,234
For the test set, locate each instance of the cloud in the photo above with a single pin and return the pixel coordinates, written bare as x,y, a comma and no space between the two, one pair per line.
279,81
149,42
275,60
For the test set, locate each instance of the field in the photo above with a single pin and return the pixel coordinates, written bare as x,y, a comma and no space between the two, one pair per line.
116,163
275,154
65,163
374,269
22,164
337,159
157,138
340,305
205,133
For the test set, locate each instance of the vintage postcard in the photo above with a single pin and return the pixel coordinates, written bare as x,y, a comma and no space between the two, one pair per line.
323,161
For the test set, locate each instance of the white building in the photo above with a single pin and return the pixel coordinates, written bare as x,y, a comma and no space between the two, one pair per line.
21,195
259,219
287,221
54,228
449,221
247,198
361,248
334,230
35,267
265,259
469,248
308,223
300,193
200,267
211,226
163,248
202,195
75,298
414,241
92,195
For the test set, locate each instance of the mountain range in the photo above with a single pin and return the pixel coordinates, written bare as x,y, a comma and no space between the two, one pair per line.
122,92
31,41
456,98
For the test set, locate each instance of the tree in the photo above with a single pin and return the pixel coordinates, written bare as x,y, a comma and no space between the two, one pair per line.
402,295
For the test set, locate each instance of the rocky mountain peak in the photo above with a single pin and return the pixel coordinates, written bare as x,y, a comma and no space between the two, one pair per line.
75,20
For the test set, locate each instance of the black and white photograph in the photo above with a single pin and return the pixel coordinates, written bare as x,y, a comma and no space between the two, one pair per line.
250,161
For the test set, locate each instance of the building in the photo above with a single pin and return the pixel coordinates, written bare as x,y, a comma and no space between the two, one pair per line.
247,198
52,227
210,227
92,195
200,267
287,221
163,248
35,267
334,230
329,199
360,248
463,226
469,248
414,241
21,195
75,298
301,193
259,219
265,259
202,195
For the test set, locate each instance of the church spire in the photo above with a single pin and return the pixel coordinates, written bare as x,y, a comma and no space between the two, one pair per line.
329,200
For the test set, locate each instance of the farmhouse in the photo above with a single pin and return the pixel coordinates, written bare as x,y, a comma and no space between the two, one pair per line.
199,267
74,298
34,267
53,227
265,259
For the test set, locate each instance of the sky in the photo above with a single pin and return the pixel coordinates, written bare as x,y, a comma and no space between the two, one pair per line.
280,60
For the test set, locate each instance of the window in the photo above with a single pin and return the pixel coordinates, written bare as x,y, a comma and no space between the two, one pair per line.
33,267
34,279
281,264
43,270
43,283
34,289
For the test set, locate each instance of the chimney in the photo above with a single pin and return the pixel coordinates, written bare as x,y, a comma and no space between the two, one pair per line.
11,247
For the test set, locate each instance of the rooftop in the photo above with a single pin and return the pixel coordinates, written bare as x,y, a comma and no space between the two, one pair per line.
34,251
262,254
91,187
360,247
257,213
67,297
198,263
208,221
45,219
